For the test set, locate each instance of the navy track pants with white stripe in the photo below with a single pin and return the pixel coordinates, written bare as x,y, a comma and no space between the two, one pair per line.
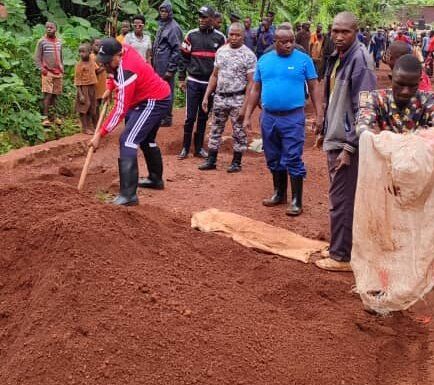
141,125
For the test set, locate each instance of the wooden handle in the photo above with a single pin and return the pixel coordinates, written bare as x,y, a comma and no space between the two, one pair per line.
91,149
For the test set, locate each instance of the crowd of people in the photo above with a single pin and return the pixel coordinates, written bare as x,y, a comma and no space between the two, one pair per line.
274,67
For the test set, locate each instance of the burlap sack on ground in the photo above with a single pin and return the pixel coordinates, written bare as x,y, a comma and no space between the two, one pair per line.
257,235
393,232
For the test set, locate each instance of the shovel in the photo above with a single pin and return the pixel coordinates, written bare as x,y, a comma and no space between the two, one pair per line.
91,149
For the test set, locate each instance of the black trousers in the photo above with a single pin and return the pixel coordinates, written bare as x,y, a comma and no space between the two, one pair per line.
141,125
343,183
194,97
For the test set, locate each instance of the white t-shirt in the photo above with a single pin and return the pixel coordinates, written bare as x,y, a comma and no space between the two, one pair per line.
142,45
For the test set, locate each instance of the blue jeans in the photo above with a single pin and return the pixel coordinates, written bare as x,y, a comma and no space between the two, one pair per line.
283,140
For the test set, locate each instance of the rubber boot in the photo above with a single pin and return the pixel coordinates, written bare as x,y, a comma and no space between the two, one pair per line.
199,151
166,121
154,162
295,207
280,182
128,175
210,162
236,162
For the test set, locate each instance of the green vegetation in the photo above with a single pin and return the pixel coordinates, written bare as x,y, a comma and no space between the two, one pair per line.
79,20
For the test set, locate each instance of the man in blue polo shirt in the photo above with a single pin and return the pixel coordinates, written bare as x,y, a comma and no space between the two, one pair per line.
280,84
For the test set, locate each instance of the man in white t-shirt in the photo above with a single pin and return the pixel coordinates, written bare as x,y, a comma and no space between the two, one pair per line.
139,40
231,80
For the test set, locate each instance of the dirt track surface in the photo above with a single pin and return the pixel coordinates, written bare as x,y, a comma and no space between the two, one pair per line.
96,294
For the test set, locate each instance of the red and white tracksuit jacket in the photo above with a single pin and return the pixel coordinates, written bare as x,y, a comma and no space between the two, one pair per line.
135,81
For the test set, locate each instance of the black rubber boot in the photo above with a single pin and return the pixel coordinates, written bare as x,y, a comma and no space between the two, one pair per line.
236,162
295,207
210,163
280,182
154,162
166,122
128,175
199,151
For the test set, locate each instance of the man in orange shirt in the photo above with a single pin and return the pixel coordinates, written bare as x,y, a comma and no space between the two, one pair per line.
316,49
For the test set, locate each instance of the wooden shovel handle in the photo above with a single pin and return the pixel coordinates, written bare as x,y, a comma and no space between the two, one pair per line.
91,149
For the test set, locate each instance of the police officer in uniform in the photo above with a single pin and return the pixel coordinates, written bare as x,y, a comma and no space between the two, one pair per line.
232,78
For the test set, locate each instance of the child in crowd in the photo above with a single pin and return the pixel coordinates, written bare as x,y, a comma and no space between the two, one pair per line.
85,80
49,60
125,29
101,74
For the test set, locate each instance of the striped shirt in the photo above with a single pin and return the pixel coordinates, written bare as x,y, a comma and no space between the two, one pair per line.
49,55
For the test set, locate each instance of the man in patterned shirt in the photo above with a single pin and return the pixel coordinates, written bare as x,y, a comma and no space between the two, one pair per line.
232,78
403,108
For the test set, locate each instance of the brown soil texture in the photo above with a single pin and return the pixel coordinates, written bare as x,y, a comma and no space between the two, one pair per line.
96,294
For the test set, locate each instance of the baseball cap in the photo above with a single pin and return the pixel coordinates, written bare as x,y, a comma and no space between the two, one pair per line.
109,47
206,11
233,15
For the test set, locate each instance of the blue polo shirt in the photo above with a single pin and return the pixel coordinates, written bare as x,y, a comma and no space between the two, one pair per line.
283,79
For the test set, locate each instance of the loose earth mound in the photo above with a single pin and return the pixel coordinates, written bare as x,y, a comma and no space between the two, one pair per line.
96,294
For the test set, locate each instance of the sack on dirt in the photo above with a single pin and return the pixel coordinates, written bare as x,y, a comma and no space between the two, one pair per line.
393,232
257,235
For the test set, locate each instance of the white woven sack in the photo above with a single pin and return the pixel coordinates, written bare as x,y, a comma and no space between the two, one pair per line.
393,231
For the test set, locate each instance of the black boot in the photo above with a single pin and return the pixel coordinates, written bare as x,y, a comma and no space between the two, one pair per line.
166,121
295,207
199,151
236,162
280,182
128,175
154,162
210,163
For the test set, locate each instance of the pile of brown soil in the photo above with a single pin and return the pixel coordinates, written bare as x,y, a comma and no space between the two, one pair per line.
96,294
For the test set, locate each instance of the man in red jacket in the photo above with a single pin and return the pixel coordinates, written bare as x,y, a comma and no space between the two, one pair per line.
143,99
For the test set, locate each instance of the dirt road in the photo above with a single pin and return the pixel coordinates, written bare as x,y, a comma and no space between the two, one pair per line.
96,294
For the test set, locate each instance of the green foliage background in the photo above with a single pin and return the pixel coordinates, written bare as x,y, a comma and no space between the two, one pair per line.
80,20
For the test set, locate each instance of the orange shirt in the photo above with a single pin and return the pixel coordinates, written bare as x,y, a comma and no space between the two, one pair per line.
101,79
316,46
85,73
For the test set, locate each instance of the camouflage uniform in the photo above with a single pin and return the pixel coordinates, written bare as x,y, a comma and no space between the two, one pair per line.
233,66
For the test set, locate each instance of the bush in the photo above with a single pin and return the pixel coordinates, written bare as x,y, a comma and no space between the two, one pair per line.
20,84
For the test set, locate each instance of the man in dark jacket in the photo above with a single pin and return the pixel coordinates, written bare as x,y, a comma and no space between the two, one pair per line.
328,48
166,51
198,52
303,37
349,75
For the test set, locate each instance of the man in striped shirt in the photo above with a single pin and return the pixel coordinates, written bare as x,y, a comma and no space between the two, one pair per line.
49,60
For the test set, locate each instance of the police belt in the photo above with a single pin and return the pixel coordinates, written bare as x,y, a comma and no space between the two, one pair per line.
229,94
